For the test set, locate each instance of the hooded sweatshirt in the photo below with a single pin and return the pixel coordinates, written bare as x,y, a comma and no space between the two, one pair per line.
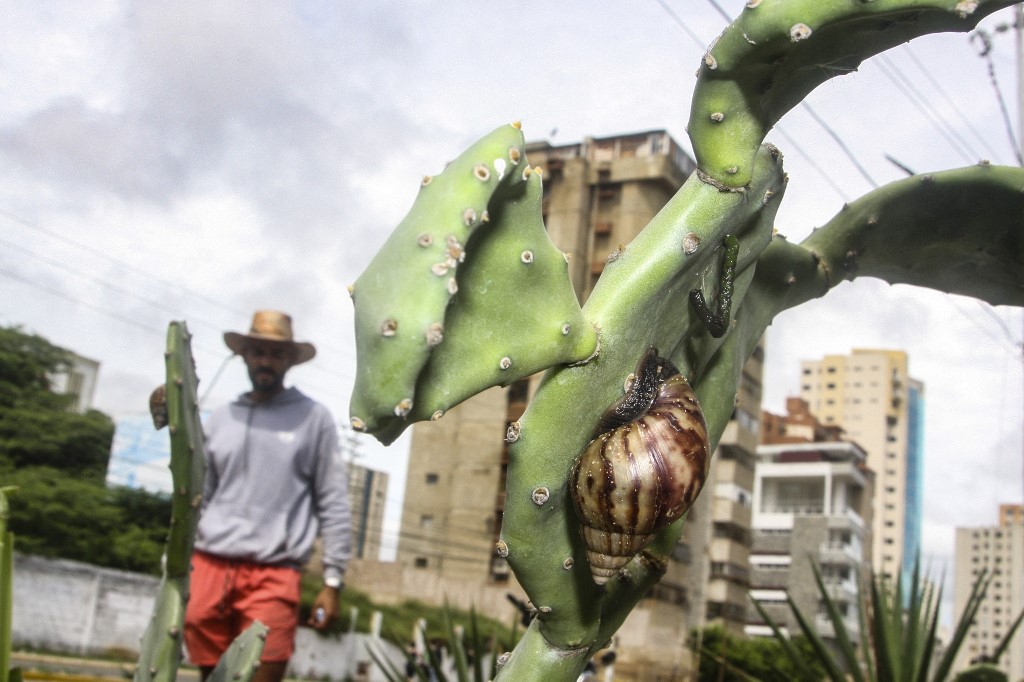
274,478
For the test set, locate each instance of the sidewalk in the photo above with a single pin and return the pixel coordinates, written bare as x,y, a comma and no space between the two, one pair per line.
52,668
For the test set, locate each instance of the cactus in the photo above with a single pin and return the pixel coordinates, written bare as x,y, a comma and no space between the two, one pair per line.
958,231
242,658
6,590
177,407
476,205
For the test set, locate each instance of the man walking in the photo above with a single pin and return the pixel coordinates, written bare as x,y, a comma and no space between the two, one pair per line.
273,481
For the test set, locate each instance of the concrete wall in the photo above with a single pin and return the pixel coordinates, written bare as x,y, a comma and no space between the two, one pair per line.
75,608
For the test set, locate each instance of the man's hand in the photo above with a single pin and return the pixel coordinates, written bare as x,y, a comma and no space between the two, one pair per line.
325,608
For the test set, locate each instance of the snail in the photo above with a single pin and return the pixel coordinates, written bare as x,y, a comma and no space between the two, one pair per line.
643,470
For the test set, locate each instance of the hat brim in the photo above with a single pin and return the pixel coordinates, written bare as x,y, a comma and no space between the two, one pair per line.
304,351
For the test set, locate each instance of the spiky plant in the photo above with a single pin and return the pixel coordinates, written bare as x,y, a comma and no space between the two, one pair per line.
898,636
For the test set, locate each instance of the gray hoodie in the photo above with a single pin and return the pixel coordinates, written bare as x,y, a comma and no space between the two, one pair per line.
274,478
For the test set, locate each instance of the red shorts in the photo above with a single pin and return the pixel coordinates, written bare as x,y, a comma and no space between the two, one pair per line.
226,595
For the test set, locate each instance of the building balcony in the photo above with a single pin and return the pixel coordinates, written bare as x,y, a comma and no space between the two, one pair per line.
840,552
771,543
769,578
725,509
823,624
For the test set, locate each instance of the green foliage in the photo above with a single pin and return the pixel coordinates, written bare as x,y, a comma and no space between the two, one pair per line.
467,642
725,657
36,428
898,639
49,520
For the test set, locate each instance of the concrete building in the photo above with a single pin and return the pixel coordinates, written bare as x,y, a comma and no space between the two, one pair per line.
812,500
79,381
870,394
999,551
368,492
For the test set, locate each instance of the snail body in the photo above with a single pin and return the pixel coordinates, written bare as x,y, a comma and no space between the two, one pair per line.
644,469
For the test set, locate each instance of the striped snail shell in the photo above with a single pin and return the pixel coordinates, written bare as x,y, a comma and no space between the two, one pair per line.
645,468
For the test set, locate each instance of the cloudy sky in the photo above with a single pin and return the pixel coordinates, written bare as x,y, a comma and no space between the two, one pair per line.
198,160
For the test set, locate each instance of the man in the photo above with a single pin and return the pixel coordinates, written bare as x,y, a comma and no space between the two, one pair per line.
273,479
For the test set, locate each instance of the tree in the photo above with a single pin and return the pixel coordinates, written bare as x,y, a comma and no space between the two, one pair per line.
725,657
36,426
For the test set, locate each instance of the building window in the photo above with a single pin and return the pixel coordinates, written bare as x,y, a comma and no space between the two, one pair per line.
431,479
421,562
427,521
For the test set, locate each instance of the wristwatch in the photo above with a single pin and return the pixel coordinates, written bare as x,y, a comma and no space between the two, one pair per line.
333,582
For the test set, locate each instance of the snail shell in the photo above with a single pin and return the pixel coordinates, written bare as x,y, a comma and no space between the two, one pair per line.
644,470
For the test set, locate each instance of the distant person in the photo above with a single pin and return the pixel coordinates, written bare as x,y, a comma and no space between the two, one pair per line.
273,481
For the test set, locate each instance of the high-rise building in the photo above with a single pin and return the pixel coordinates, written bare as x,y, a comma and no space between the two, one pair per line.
812,500
367,494
999,552
870,395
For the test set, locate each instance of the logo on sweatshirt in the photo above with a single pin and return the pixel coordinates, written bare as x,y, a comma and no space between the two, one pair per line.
286,437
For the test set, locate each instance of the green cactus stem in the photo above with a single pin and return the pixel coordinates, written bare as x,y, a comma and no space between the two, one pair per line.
717,321
637,305
6,586
777,51
242,658
161,644
460,266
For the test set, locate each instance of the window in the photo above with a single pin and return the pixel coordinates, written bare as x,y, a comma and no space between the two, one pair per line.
427,521
420,562
431,479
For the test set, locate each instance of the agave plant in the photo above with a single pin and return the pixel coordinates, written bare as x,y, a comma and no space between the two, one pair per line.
898,638
469,663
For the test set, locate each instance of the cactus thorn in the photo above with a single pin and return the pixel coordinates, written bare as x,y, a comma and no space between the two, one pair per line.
518,125
403,408
388,327
178,381
505,363
426,239
485,217
453,286
690,243
751,4
435,334
437,415
717,117
481,172
173,429
799,32
501,548
439,269
526,257
965,8
351,288
566,328
503,659
514,429
427,179
357,424
710,60
469,216
540,496
514,155
544,609
568,563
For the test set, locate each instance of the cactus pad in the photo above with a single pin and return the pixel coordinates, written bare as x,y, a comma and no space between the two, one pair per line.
778,51
467,293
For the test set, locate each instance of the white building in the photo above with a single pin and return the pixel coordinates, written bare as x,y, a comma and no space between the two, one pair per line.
810,501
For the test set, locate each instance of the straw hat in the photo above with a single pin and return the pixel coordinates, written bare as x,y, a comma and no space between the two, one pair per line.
270,325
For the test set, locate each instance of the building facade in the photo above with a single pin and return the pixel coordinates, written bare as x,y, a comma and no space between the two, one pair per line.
812,502
871,396
998,551
367,494
78,381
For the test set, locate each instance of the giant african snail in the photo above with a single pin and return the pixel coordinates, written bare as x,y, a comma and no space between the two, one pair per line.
644,470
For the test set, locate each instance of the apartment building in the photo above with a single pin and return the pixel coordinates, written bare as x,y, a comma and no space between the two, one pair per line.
367,494
999,551
871,396
812,502
79,381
